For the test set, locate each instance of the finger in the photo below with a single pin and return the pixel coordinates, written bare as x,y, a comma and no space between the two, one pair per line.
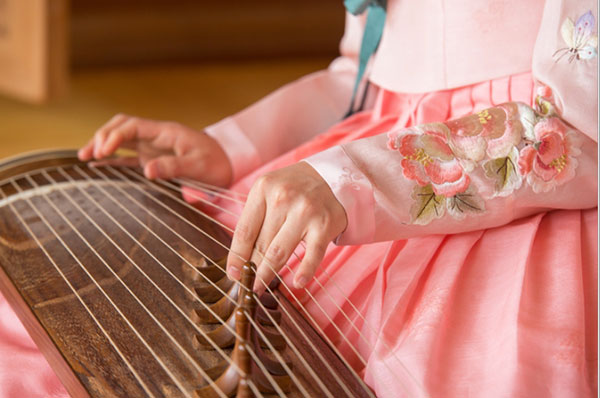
125,132
86,152
171,166
246,233
278,253
165,167
115,121
98,141
272,223
102,133
129,133
201,164
130,161
316,246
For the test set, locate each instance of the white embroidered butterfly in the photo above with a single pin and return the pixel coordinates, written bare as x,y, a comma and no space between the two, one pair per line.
579,37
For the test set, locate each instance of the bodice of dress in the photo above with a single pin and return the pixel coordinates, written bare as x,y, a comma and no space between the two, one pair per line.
430,45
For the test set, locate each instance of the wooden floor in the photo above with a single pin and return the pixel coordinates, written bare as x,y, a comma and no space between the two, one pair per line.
196,95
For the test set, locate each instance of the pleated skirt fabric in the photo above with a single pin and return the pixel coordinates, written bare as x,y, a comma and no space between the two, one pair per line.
503,312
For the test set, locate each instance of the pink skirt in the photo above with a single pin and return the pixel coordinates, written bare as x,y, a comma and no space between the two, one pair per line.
503,312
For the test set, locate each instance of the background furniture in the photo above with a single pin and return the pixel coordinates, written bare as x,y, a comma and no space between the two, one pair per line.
67,67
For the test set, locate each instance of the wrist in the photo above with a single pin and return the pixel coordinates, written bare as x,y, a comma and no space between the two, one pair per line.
243,157
223,169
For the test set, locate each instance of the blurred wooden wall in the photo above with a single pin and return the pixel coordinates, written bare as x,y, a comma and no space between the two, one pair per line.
110,32
41,41
34,48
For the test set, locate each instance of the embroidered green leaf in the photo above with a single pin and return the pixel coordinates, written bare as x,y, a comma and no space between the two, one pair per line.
427,205
504,173
544,107
464,203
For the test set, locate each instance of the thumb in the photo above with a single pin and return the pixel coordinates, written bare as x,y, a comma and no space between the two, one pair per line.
165,167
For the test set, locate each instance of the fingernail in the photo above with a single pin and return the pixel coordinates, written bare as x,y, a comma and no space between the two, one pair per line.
233,273
258,288
150,171
155,171
300,282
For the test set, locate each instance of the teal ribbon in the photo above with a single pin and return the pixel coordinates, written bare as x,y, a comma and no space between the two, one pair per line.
370,40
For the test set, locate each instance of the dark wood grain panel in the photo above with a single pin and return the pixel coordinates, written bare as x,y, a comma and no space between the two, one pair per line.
124,324
183,30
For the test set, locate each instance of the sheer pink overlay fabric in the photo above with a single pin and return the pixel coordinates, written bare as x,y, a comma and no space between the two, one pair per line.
505,311
510,310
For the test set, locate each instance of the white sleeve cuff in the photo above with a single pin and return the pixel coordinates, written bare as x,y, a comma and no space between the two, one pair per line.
352,189
239,149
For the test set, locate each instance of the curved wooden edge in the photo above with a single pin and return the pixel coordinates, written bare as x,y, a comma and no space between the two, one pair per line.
9,167
41,154
28,162
41,338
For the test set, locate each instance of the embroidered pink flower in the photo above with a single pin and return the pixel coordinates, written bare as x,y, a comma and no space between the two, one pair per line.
543,91
544,101
492,132
550,160
428,159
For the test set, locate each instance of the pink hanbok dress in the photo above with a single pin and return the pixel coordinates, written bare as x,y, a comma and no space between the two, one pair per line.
470,186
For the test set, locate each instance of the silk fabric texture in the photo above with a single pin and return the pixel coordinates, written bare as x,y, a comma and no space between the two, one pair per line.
507,311
504,311
499,312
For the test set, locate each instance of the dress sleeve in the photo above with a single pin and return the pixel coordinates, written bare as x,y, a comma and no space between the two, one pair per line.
565,61
489,168
294,113
480,171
